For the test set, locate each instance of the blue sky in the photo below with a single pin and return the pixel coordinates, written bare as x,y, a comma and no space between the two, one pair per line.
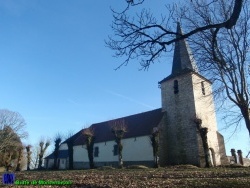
58,74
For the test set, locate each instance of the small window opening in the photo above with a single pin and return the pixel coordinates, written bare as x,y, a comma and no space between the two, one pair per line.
176,87
203,88
115,151
96,152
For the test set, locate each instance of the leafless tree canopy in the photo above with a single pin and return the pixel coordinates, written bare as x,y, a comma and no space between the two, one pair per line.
146,38
218,31
119,128
89,140
43,147
224,59
88,132
12,125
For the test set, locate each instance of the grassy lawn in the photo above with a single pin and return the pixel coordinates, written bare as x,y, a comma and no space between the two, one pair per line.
162,177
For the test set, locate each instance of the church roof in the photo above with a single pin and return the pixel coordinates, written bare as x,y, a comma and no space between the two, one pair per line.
185,71
137,125
183,60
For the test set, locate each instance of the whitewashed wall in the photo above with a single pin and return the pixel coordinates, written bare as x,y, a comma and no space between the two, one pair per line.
137,149
80,154
63,163
50,163
63,147
134,149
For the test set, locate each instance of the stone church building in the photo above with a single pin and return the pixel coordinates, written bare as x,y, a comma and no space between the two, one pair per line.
185,95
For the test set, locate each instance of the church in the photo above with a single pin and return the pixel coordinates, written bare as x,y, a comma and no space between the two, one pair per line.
185,95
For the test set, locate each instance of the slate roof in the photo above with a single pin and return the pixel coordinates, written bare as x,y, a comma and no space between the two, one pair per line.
62,154
137,125
183,58
183,72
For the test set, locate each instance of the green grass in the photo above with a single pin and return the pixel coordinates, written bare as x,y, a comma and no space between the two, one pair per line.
179,176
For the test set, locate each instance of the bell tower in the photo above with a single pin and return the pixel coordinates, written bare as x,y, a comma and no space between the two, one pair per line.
185,95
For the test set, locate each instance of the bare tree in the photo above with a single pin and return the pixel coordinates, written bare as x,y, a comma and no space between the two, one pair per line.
217,30
34,156
43,147
154,138
19,158
248,154
15,122
224,59
203,133
57,140
70,143
28,154
7,158
9,153
119,128
147,38
89,140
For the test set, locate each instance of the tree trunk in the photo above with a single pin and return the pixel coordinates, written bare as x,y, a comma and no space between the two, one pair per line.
36,164
40,161
28,166
18,167
28,157
155,145
245,113
120,161
203,133
156,162
91,158
70,149
120,154
56,165
90,149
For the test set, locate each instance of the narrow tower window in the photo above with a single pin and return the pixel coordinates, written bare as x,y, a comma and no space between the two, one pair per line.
176,87
203,88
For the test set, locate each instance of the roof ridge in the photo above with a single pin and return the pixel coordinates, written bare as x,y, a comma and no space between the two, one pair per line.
128,116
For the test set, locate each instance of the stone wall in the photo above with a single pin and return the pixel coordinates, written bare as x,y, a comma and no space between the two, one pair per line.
222,149
183,143
181,133
205,110
246,162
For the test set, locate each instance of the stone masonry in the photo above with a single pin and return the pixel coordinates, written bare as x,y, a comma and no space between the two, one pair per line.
187,95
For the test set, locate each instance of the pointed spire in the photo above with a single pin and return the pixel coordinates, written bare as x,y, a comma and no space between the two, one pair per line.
183,58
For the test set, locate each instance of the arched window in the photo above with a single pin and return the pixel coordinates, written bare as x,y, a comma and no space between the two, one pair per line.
203,88
176,87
